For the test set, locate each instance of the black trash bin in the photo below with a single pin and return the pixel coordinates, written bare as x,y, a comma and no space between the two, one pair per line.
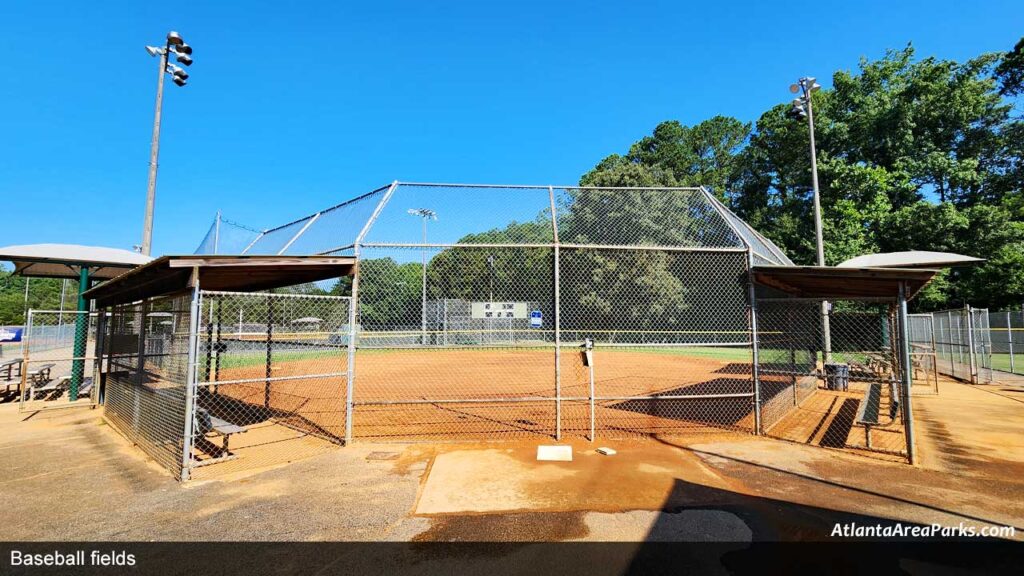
837,376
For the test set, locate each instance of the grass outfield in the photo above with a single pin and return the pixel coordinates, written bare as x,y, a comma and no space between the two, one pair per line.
1002,362
724,353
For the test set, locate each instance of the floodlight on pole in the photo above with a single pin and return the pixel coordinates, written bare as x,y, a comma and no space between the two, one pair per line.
425,214
177,46
803,109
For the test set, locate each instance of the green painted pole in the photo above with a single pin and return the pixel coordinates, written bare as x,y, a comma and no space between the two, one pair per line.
81,335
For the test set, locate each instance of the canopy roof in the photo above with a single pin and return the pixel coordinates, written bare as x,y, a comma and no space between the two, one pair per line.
173,274
842,283
67,260
910,259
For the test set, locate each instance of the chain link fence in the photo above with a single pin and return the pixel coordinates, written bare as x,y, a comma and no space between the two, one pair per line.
570,311
960,339
58,360
250,379
1006,332
146,361
851,398
502,312
272,377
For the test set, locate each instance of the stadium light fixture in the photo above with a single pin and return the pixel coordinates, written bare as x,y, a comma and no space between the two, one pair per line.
803,110
176,45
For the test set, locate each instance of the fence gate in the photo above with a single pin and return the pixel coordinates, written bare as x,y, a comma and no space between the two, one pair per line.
58,360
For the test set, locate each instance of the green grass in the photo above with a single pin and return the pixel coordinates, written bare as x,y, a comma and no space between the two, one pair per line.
726,354
1002,362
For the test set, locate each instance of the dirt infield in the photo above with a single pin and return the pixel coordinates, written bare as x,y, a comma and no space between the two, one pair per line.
495,394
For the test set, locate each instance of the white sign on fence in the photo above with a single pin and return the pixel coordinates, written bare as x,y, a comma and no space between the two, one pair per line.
491,310
536,319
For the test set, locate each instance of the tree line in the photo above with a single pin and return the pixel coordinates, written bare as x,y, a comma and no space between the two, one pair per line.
913,154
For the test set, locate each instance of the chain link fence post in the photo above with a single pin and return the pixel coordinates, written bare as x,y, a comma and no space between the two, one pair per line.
907,381
558,328
754,345
191,383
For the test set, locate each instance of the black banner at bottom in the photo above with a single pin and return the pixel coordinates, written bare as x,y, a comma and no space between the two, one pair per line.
493,559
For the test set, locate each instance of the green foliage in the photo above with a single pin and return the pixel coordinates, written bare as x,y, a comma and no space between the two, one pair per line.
392,295
913,154
43,294
1010,71
702,155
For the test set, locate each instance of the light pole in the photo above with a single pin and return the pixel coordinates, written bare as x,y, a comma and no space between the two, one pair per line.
803,109
490,264
182,52
425,214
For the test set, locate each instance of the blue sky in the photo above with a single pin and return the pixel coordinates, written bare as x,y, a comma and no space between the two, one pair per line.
295,107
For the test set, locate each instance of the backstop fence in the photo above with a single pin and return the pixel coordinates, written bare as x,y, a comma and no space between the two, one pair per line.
503,312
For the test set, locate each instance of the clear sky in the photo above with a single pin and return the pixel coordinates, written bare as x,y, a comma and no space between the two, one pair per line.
292,107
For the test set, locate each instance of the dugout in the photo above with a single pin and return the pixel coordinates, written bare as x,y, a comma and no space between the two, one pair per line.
201,365
814,321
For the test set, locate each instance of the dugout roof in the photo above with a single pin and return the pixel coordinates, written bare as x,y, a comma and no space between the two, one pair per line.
171,274
842,283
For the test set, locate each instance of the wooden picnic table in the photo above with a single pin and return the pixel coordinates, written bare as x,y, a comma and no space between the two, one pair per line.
9,366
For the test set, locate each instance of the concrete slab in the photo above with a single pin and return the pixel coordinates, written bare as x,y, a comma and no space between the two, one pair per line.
641,476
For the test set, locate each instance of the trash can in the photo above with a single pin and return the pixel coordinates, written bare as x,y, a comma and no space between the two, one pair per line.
837,376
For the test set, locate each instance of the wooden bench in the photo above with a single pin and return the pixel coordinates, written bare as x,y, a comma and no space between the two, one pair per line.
870,410
205,423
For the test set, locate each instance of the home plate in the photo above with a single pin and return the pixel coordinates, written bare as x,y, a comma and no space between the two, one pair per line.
554,453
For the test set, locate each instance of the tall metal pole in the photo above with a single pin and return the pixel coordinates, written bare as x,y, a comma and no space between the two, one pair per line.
423,305
154,153
754,345
907,381
558,330
971,359
1009,339
825,327
25,314
60,316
